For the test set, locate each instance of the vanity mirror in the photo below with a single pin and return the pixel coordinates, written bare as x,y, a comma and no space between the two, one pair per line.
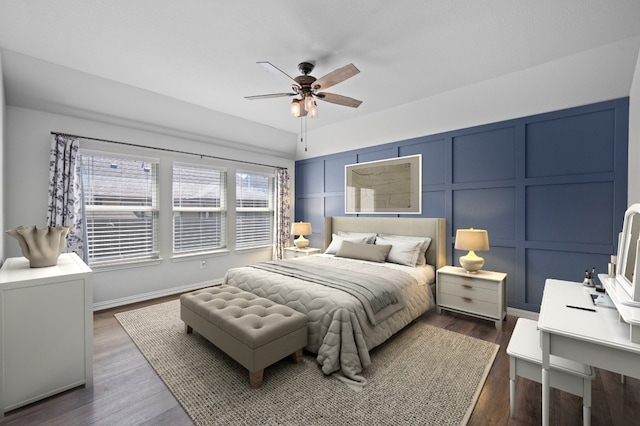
628,257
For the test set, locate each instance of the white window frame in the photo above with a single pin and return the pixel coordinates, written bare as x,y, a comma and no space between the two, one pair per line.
247,243
152,251
221,210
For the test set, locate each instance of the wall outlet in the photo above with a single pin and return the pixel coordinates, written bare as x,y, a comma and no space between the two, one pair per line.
203,263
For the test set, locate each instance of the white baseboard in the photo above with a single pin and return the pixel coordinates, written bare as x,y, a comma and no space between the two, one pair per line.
521,313
153,295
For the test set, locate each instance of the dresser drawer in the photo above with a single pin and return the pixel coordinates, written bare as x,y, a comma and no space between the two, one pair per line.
470,305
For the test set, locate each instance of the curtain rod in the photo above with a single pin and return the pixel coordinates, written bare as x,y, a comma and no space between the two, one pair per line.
168,150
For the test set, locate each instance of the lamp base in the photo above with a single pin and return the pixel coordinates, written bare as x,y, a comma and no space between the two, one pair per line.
301,242
471,262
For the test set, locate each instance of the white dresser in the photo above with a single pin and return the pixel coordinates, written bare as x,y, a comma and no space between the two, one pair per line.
481,294
46,333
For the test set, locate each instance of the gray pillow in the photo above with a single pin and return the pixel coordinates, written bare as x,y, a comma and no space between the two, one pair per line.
362,251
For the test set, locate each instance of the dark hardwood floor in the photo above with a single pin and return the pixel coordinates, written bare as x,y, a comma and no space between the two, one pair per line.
127,391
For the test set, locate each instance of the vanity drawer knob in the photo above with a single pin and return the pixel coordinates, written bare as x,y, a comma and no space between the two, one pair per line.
467,286
467,299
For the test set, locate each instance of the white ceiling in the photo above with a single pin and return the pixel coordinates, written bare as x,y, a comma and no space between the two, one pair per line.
161,61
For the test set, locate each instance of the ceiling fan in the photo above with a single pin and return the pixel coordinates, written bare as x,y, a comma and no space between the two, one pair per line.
309,88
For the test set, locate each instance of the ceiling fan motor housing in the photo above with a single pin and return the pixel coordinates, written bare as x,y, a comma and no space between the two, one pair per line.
305,81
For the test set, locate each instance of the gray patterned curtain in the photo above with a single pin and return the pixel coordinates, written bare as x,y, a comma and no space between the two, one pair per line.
283,214
65,193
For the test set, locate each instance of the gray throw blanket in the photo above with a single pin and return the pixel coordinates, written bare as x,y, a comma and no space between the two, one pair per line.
378,296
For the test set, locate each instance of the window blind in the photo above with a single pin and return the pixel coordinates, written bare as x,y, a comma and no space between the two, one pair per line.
121,207
254,209
199,208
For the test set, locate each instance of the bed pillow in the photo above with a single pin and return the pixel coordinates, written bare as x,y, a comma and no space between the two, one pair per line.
370,237
424,244
337,240
402,253
364,251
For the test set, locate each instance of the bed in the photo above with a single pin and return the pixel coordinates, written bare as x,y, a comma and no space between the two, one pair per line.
343,327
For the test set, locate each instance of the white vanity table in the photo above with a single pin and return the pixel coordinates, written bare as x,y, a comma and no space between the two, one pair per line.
572,327
594,337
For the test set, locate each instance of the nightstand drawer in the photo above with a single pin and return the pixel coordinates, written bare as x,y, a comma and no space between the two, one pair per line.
468,281
468,304
471,290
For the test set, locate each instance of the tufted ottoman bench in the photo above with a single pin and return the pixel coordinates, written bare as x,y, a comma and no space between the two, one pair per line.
254,331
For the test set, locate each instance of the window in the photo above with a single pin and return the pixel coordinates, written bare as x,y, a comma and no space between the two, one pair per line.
254,209
199,208
121,207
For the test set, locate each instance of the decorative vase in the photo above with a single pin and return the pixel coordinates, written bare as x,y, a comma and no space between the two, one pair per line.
41,246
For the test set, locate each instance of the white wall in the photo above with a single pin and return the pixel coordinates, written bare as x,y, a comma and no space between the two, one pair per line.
2,169
27,175
634,138
592,76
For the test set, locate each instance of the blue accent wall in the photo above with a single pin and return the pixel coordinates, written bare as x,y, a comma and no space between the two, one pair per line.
551,190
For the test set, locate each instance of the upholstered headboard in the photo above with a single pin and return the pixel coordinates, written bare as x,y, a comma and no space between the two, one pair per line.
434,228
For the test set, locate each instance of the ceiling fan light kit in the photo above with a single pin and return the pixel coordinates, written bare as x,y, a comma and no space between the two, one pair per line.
300,108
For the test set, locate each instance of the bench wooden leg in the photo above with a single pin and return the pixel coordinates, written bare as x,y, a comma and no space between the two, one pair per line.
187,328
255,378
512,387
586,402
297,356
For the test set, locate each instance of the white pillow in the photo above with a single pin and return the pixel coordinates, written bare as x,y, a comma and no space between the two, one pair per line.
336,242
370,236
424,244
405,253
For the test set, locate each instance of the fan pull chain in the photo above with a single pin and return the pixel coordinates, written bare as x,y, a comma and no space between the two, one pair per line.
303,132
306,138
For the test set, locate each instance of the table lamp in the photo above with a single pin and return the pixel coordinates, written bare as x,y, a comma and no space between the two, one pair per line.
301,229
472,240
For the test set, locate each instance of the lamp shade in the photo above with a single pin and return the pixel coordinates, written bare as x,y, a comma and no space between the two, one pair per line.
472,239
300,228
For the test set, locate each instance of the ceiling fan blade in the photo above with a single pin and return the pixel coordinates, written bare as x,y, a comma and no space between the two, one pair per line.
278,72
271,95
339,99
335,77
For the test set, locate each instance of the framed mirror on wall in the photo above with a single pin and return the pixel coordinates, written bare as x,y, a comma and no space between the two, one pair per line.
391,186
629,256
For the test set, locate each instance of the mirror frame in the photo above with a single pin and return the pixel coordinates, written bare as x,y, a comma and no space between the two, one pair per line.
629,251
374,177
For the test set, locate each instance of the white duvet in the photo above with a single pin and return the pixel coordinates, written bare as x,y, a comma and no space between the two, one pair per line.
339,331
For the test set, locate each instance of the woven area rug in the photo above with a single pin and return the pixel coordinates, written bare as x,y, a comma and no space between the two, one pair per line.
424,375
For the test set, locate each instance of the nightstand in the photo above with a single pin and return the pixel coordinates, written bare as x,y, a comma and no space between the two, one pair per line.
291,252
481,295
